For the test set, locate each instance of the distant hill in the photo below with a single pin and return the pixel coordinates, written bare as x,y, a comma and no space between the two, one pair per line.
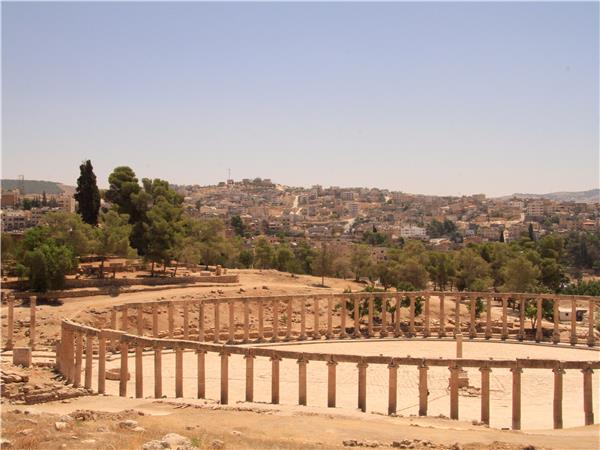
591,196
37,186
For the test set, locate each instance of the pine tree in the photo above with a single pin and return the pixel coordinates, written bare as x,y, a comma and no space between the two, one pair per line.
531,232
87,194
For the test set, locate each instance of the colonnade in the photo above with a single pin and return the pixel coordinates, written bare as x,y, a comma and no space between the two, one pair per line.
391,320
216,325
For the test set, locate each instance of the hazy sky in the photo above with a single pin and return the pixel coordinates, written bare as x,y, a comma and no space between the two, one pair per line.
439,98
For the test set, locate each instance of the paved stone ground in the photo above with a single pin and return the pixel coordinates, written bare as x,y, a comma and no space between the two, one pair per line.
537,385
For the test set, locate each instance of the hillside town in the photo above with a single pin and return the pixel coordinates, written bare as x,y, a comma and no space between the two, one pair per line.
351,213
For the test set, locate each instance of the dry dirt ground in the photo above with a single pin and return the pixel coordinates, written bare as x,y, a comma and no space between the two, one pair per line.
242,425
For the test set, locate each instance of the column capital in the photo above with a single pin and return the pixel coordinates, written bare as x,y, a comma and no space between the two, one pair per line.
516,369
362,364
454,366
224,352
393,364
485,368
423,365
275,357
302,360
200,351
331,361
157,345
587,369
250,354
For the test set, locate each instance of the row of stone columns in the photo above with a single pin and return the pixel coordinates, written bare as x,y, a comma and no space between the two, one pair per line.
72,351
317,304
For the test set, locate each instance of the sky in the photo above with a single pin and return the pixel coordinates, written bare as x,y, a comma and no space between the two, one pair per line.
432,98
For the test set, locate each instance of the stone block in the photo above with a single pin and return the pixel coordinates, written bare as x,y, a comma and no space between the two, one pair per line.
22,356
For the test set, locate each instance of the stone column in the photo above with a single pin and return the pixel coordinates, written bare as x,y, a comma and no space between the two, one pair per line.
11,322
457,299
343,313
488,317
454,372
224,376
591,340
522,308
275,327
383,332
201,321
155,320
249,357
89,359
157,370
140,320
171,319
427,319
69,350
139,371
356,333
124,371
275,379
397,311
124,311
329,334
459,345
485,394
392,387
573,339
102,362
302,336
231,339
290,315
302,362
411,323
556,331
362,385
246,320
588,405
186,320
442,329
32,306
539,333
113,326
558,395
201,368
504,335
473,319
370,323
78,358
423,389
217,322
331,376
516,397
178,372
261,319
316,328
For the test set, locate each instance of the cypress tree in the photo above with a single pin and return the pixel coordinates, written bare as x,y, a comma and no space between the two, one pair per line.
87,194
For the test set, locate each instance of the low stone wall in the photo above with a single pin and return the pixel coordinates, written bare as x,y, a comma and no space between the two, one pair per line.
146,281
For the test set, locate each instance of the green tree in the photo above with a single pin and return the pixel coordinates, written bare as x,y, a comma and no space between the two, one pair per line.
69,229
48,265
238,225
414,272
112,237
87,194
283,258
263,257
360,260
163,233
441,269
520,275
246,258
472,271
